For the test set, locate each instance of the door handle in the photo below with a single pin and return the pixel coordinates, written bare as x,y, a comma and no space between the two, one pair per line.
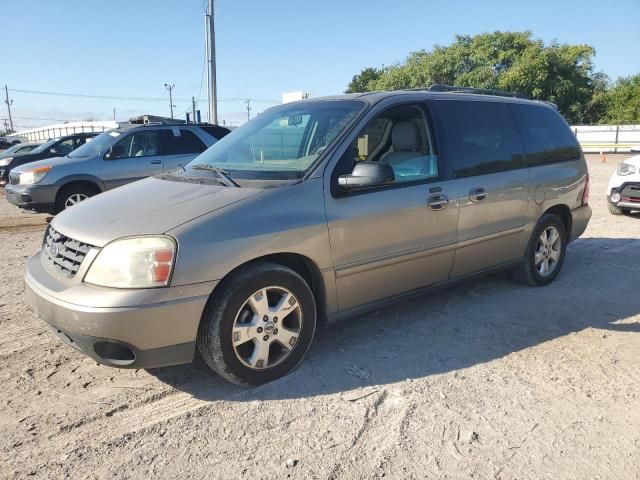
477,194
155,162
437,201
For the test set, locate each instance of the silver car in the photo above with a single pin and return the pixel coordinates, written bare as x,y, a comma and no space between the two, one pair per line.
111,159
311,211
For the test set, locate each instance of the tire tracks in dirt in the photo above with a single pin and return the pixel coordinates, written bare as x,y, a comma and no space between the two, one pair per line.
15,338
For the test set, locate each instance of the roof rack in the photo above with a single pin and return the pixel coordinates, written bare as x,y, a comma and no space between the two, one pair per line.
437,87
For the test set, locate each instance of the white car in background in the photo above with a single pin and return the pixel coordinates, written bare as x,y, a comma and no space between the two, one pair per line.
623,192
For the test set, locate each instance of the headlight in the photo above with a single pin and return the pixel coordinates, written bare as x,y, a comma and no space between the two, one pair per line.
136,262
34,175
5,161
626,169
615,197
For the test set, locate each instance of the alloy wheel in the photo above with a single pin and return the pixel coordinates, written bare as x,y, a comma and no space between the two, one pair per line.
548,251
267,327
75,199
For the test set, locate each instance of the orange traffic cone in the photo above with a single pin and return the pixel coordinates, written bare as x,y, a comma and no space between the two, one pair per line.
603,157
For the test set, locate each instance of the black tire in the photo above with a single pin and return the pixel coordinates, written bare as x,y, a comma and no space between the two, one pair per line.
215,331
71,190
526,271
614,210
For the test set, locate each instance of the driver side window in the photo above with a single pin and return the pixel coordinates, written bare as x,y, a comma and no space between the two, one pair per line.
139,144
399,137
63,148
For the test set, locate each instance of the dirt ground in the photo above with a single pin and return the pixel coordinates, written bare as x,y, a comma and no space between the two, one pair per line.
487,380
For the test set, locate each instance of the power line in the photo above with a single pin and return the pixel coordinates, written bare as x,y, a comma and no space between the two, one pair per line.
37,118
138,99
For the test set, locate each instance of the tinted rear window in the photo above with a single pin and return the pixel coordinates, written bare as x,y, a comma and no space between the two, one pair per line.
546,136
215,131
185,143
478,137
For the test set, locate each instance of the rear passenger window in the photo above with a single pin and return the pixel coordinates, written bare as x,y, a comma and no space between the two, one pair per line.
187,142
547,138
479,137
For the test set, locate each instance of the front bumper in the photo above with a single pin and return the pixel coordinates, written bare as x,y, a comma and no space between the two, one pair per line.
625,204
120,328
629,195
579,220
40,198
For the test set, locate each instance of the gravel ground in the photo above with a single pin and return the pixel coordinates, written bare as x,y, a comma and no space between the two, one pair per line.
487,380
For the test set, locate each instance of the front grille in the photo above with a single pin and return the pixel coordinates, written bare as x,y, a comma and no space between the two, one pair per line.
63,253
631,192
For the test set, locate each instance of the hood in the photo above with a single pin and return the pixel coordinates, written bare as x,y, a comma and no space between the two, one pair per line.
28,157
635,161
149,206
27,161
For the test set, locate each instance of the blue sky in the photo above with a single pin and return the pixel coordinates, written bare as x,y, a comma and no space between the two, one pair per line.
130,48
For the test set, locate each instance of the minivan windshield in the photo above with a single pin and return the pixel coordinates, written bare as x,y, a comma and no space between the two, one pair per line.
280,144
94,145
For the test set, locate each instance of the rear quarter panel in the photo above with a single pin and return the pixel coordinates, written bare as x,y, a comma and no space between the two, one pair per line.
559,183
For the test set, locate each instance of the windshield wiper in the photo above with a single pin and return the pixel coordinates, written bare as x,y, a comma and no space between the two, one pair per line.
220,173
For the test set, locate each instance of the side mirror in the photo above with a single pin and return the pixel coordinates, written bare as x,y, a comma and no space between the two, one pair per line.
367,175
116,151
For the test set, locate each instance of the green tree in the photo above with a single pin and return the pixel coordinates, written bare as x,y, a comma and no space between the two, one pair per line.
361,81
623,102
513,61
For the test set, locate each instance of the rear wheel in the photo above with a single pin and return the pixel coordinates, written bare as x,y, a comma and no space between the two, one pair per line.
259,325
72,195
545,253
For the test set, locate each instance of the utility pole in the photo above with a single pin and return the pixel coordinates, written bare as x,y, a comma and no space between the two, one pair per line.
114,114
193,108
9,103
170,88
248,103
211,57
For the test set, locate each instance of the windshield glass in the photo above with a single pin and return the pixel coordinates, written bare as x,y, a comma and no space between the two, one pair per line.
10,150
94,145
44,146
280,144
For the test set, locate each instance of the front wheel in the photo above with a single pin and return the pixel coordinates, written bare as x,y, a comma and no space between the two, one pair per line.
545,253
615,210
258,325
72,195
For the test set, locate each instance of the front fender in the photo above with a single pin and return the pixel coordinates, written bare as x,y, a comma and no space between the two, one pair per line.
281,220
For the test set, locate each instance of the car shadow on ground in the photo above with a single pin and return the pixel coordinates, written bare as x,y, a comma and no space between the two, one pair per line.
473,323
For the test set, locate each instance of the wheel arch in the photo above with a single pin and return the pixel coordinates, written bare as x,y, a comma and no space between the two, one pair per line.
564,213
89,182
303,266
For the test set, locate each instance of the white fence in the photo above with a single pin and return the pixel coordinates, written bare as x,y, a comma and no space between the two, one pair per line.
607,138
61,129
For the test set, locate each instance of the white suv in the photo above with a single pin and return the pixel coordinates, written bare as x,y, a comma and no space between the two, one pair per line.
623,192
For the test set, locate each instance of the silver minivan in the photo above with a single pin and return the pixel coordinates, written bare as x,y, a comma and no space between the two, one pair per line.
311,211
113,158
